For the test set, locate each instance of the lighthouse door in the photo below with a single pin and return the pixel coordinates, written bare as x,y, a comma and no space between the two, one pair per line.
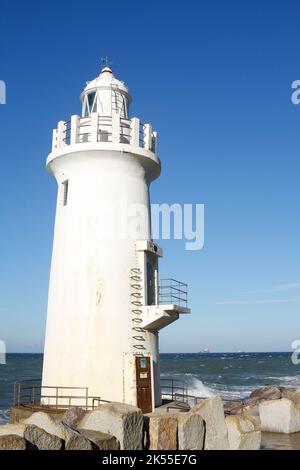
143,383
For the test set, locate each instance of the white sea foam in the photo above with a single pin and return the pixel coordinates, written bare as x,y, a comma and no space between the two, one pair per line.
293,380
198,389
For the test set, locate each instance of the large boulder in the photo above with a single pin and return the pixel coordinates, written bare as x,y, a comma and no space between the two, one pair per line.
41,439
266,393
295,397
279,416
73,416
12,442
233,407
253,411
74,440
191,431
100,440
243,432
212,412
162,431
288,392
46,422
125,422
17,429
83,439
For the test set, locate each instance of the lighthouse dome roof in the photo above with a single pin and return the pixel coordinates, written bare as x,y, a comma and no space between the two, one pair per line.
106,79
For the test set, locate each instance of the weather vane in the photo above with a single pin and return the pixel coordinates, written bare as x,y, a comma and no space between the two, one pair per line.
105,62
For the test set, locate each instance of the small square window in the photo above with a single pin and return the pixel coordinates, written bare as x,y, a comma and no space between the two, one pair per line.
65,190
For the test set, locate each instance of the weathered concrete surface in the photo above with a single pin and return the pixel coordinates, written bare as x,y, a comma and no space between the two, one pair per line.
46,422
162,431
100,440
12,442
279,416
191,431
17,429
73,416
243,432
212,412
41,439
125,422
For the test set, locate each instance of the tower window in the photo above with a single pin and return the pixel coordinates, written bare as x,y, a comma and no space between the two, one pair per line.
65,189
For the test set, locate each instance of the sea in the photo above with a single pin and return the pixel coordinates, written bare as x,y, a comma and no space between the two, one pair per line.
229,375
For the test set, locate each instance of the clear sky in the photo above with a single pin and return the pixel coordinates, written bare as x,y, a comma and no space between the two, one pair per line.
214,78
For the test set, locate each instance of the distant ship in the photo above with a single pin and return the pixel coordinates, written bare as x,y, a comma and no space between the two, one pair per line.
204,350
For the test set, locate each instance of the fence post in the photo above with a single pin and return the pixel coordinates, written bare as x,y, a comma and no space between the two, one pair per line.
75,121
32,394
115,128
54,140
135,132
147,136
61,134
94,127
154,141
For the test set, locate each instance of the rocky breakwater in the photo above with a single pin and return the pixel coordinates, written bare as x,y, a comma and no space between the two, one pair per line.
209,425
275,410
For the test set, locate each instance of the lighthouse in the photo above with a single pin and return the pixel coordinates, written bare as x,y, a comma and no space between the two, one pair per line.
106,303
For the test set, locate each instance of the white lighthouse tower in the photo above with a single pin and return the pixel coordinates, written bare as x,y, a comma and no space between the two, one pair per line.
105,305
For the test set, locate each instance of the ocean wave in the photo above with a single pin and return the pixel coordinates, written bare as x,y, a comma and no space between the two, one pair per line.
287,379
198,389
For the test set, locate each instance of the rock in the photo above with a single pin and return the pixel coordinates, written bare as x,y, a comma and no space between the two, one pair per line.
233,407
12,442
287,392
212,412
279,416
162,431
266,393
76,441
251,401
252,410
125,422
191,431
41,439
44,421
295,397
100,440
243,432
73,416
17,429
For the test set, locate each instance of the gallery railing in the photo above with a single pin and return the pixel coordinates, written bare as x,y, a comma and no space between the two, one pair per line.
174,292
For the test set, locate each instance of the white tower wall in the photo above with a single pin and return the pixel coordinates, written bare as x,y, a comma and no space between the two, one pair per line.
102,314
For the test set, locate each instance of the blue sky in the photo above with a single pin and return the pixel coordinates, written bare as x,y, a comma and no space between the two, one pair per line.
214,78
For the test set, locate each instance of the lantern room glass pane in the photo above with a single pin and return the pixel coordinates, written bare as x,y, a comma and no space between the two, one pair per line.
91,97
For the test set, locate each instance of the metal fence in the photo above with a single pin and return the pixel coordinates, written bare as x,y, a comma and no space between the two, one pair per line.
176,391
172,387
34,395
172,291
